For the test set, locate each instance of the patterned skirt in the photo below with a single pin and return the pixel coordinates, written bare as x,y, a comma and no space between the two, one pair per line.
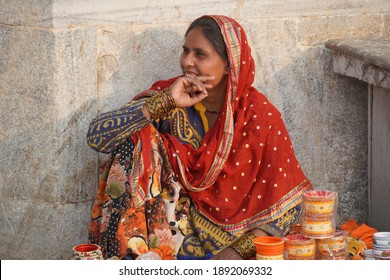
131,217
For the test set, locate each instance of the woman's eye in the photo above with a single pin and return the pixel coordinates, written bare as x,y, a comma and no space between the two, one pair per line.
200,54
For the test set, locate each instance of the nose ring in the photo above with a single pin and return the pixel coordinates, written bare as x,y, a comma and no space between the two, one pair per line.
189,62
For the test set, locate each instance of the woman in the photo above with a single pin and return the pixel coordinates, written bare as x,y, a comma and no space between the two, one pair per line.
201,163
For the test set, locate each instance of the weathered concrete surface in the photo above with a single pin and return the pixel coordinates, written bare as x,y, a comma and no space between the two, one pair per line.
47,172
63,61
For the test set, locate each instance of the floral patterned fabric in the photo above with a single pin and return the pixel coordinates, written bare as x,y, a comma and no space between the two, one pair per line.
127,220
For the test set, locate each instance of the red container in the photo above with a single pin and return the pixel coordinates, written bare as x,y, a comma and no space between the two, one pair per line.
87,252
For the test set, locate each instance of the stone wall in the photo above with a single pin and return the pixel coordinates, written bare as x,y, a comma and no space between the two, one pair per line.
63,61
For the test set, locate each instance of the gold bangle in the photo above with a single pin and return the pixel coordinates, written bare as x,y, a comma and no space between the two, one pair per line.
171,101
160,104
245,246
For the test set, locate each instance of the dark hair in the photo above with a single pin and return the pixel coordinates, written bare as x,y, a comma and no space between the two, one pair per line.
212,32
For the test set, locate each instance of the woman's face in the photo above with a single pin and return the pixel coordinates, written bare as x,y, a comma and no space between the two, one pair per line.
199,58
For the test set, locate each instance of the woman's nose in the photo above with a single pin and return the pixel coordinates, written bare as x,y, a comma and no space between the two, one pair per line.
190,62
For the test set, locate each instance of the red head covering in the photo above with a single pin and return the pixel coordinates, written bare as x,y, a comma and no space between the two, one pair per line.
245,173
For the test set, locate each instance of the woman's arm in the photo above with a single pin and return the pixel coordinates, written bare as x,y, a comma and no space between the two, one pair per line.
109,130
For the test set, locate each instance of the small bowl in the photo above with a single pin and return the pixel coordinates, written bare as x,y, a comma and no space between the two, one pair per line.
381,239
269,246
369,254
381,253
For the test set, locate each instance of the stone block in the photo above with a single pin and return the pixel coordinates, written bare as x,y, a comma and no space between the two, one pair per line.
282,9
48,100
117,12
41,231
37,13
317,30
48,173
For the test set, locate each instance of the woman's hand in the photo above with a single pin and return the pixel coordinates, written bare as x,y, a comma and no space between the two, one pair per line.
231,254
187,91
227,254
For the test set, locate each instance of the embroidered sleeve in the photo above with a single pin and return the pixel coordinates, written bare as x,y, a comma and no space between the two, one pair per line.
282,226
109,130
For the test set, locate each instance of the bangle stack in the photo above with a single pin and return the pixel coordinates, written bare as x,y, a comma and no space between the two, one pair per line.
160,104
245,246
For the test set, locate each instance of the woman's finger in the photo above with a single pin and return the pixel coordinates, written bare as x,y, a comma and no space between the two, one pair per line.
193,85
205,79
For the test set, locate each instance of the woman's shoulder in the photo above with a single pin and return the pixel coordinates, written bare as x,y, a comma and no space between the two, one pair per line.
261,105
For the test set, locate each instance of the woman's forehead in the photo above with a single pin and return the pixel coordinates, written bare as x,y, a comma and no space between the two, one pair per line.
195,39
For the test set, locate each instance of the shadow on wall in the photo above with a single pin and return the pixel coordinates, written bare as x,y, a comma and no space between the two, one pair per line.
145,58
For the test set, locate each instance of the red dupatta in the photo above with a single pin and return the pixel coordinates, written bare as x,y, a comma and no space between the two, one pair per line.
245,173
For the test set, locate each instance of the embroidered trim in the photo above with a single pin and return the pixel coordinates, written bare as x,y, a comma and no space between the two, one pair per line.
245,246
